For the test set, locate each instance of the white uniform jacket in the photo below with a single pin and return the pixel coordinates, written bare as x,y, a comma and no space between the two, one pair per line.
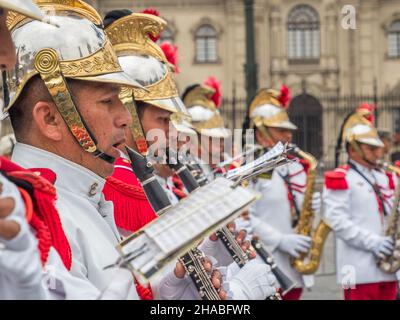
271,215
88,223
353,214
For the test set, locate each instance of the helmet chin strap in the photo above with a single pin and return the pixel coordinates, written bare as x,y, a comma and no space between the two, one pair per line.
263,129
358,149
104,156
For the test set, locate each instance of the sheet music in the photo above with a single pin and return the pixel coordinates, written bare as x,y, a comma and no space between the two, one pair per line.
275,152
198,215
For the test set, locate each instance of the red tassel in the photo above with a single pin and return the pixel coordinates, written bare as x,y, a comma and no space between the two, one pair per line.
45,218
152,11
144,293
132,210
367,110
178,187
171,53
284,97
392,185
336,180
305,165
45,213
217,96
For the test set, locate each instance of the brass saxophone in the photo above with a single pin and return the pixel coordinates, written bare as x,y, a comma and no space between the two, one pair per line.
308,263
390,264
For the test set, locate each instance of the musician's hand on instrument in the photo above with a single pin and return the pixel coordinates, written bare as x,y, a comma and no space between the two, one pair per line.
244,224
242,240
216,279
295,244
253,282
384,247
316,202
231,227
179,270
245,215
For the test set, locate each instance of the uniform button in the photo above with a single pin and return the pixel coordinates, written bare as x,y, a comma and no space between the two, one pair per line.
93,189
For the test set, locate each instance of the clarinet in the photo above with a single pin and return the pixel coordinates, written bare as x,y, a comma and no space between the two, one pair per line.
284,281
144,171
241,257
191,185
192,260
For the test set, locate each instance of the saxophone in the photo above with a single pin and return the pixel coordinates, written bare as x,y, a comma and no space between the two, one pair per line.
390,264
309,263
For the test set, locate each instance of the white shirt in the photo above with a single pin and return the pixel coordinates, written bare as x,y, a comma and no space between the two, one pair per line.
87,220
271,215
354,216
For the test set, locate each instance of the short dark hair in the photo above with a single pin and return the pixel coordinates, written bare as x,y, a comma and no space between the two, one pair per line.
114,15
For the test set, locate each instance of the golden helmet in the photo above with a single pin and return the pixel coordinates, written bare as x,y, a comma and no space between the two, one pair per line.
268,108
202,102
73,46
358,129
145,61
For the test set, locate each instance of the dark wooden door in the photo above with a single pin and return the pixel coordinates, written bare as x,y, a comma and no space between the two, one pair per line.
305,112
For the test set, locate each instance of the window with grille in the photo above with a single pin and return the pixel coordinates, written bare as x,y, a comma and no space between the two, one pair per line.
303,33
167,36
394,40
206,44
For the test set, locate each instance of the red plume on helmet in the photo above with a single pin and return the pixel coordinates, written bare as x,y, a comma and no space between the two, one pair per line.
153,12
216,85
171,53
285,97
367,111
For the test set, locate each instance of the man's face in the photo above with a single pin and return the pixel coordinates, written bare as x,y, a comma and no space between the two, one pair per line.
280,135
106,117
152,118
371,153
155,118
211,149
7,51
275,135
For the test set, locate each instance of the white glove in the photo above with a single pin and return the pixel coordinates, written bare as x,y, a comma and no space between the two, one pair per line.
316,202
173,288
253,282
384,247
244,224
294,244
10,190
217,250
24,268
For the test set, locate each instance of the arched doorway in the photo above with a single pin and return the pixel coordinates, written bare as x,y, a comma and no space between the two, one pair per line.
306,112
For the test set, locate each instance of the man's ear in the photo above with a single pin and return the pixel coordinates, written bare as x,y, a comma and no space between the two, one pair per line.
48,120
261,139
